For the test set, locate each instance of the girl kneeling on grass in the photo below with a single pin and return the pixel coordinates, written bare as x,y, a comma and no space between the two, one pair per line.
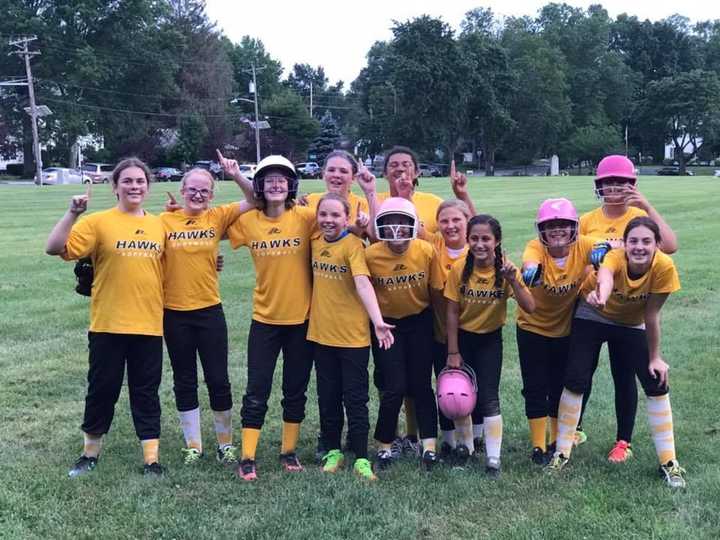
194,320
477,291
342,299
126,245
402,273
622,307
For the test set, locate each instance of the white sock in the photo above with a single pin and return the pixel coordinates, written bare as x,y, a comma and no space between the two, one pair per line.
478,431
190,422
464,432
223,427
493,435
449,437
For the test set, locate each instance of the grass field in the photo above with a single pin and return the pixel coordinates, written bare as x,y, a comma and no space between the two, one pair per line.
43,362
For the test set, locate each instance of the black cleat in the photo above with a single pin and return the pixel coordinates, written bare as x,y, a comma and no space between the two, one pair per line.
492,467
384,459
83,466
429,460
446,451
539,457
461,456
153,469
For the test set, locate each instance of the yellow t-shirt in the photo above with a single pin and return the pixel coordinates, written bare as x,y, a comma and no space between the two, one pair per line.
191,248
426,205
443,264
337,315
280,249
626,304
597,225
126,251
353,200
483,307
402,282
555,297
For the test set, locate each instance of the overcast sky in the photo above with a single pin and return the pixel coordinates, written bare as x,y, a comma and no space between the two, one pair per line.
337,34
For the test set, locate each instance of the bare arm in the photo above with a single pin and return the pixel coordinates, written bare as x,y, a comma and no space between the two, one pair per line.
366,292
231,167
656,365
599,297
366,181
454,359
59,235
458,182
668,243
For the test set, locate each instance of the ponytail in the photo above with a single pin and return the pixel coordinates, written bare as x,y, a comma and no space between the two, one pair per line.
498,267
468,268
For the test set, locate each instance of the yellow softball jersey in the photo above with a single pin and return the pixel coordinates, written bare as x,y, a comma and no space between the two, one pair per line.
555,297
126,251
280,249
626,304
337,315
426,206
353,201
483,307
191,247
402,282
600,227
443,264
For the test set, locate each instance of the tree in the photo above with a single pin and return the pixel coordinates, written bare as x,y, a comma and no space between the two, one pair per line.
327,140
592,143
685,110
292,128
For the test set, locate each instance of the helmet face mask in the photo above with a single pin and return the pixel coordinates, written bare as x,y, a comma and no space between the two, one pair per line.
396,221
615,170
610,190
555,214
457,391
545,227
279,165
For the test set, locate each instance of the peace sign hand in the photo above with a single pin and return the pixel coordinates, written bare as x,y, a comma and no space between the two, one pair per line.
79,203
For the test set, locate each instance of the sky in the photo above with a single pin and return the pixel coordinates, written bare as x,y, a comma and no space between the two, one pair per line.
337,34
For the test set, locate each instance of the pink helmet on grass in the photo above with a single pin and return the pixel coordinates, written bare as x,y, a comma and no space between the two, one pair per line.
555,209
456,391
396,206
613,167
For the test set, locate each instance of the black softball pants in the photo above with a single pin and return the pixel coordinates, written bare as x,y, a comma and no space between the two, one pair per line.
439,363
483,353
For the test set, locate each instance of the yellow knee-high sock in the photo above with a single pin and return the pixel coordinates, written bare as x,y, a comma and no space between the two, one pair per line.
223,427
493,435
151,450
250,438
538,432
92,444
290,436
411,429
552,436
661,426
568,418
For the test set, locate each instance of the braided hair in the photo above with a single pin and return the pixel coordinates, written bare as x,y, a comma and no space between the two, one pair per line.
494,224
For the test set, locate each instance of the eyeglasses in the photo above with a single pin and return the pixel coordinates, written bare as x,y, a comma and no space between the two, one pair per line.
192,192
275,179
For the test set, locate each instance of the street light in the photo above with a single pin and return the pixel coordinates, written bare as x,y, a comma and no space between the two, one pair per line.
257,125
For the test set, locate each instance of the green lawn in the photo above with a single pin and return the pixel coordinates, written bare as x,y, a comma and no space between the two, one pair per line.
43,361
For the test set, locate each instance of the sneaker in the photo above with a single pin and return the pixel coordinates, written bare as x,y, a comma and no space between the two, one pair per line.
410,447
83,466
492,467
333,461
446,451
191,455
430,459
539,457
478,445
396,448
227,455
673,473
556,464
246,470
620,453
461,456
363,469
320,450
290,462
153,469
580,437
384,459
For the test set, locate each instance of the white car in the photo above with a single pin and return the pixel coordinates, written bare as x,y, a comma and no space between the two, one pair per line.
717,173
62,175
248,170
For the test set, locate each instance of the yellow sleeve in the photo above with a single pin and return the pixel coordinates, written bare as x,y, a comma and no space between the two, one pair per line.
665,276
82,239
225,215
452,287
614,260
236,233
534,251
356,260
437,279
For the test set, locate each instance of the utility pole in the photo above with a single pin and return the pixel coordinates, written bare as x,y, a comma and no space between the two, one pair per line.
254,92
24,52
311,99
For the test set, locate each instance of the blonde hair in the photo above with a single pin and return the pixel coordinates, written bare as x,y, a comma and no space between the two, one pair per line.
201,172
454,203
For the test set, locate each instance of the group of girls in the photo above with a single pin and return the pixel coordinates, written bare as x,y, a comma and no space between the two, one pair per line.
430,290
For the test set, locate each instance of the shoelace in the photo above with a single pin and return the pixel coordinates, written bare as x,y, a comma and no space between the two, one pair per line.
191,455
229,454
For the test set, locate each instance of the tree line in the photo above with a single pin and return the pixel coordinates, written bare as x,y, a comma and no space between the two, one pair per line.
159,80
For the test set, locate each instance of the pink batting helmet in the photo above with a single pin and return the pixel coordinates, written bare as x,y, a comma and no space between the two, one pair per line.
615,167
396,206
456,391
552,209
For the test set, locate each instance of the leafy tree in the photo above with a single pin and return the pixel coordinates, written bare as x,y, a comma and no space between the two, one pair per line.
592,143
292,127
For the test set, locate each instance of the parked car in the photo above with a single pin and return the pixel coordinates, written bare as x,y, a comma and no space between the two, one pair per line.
673,171
308,169
248,170
212,166
167,174
99,173
717,173
428,170
62,175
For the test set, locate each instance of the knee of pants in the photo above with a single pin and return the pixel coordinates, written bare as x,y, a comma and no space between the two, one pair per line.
294,409
253,411
186,400
220,397
491,407
577,385
654,389
391,398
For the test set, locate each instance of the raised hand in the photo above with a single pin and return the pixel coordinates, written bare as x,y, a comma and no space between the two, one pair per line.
362,220
230,166
302,200
634,198
458,181
508,270
171,205
366,179
384,335
79,203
